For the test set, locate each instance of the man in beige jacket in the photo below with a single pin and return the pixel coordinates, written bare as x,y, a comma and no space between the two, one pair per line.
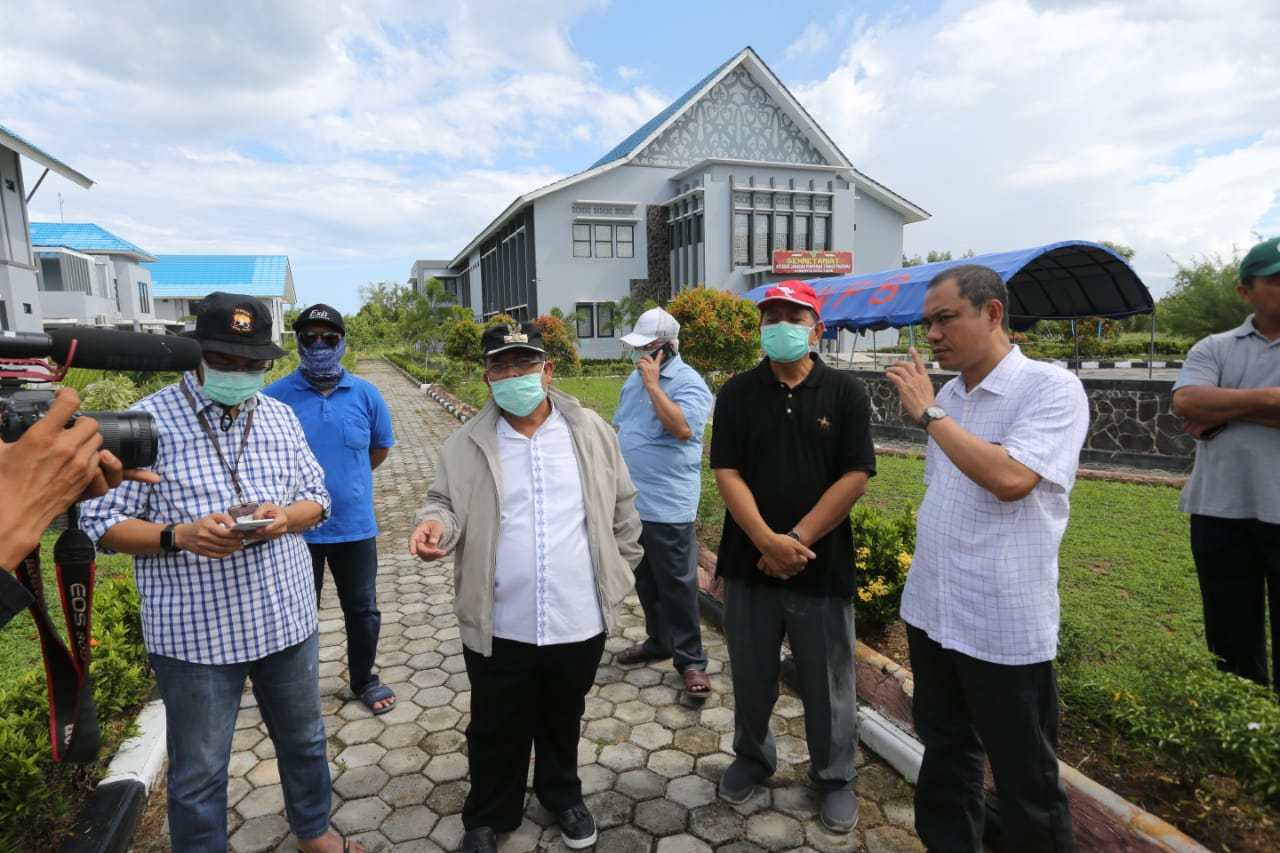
535,496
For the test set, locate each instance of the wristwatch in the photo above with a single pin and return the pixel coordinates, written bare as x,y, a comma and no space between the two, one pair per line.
167,543
931,414
796,536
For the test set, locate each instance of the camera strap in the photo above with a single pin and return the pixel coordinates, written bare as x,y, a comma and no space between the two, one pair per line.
73,722
213,439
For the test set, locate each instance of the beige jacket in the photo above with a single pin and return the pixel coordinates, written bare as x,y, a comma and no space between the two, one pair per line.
466,499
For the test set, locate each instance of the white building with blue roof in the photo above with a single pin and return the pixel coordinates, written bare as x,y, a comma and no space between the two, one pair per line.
90,276
20,300
731,186
181,281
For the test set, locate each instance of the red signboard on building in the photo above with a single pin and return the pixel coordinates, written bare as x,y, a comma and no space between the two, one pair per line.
812,263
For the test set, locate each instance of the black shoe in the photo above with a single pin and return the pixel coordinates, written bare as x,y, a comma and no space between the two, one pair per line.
577,827
480,840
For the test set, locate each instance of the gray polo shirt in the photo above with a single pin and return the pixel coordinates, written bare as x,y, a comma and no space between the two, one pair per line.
1237,473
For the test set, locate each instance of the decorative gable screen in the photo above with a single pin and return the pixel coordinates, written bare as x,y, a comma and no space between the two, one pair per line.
736,120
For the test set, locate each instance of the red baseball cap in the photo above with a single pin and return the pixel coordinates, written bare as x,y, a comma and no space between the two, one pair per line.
795,292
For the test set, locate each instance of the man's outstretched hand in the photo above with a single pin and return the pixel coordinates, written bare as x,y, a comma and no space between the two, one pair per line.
424,542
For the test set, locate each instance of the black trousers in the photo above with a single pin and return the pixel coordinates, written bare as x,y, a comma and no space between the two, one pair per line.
1238,561
667,586
964,707
355,573
526,696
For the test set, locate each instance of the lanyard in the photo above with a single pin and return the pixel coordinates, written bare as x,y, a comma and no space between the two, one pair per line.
208,431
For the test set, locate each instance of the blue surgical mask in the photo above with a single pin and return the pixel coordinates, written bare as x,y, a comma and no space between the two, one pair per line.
231,387
785,342
519,395
321,364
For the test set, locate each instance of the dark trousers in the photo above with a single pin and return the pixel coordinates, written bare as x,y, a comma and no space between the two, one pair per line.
820,628
964,707
355,573
1238,561
667,586
521,696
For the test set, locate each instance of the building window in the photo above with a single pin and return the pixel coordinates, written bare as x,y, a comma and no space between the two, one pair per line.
603,241
26,308
144,298
626,242
586,319
760,240
781,230
4,317
582,241
800,234
802,202
604,320
821,225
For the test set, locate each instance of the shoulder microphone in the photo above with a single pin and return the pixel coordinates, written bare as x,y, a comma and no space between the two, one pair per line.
104,349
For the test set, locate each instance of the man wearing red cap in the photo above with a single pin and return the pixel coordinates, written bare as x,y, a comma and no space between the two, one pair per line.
792,452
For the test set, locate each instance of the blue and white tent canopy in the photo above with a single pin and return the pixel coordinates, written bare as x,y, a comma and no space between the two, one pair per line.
1059,281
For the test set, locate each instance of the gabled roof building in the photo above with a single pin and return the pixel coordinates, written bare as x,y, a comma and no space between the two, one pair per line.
181,281
90,276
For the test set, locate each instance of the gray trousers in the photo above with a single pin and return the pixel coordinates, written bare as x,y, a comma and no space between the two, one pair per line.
820,629
667,586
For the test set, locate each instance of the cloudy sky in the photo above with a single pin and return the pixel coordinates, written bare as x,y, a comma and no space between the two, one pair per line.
356,137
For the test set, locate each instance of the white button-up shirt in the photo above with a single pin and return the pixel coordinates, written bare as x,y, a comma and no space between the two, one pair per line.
984,580
544,588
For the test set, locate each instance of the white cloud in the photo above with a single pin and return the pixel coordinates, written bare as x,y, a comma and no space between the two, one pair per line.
1016,123
813,40
627,73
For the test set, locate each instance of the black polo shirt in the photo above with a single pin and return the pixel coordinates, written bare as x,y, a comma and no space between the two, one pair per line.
791,445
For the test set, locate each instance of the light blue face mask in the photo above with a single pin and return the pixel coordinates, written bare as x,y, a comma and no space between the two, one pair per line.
519,395
785,342
231,387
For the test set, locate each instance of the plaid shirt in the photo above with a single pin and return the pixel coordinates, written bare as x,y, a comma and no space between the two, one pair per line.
255,602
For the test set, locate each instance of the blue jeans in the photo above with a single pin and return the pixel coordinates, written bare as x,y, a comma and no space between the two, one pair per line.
202,702
355,573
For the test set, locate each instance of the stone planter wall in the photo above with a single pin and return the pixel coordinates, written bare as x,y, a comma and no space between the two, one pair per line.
1131,421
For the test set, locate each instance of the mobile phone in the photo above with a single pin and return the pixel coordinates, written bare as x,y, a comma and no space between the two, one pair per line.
247,525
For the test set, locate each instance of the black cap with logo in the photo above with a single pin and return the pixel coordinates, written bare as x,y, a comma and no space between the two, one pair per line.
498,339
235,324
320,313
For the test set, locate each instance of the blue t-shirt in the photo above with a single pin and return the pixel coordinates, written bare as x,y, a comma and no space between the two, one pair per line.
667,472
341,428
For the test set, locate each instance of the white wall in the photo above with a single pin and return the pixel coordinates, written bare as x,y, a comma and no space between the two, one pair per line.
128,274
18,289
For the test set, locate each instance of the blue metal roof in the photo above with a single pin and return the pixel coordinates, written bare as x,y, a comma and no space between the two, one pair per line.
193,276
84,237
626,146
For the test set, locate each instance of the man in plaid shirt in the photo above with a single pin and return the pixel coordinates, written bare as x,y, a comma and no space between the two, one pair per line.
221,603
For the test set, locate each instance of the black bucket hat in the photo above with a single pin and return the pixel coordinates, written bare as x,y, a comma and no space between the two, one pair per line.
235,324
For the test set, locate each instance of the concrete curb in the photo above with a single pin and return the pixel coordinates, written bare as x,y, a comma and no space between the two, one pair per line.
111,814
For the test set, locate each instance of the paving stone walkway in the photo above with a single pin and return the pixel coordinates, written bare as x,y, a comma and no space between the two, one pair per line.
649,765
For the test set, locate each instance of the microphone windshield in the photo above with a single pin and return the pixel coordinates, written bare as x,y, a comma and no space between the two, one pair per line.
109,349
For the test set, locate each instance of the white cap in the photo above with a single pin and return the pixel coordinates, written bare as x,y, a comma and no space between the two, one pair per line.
654,324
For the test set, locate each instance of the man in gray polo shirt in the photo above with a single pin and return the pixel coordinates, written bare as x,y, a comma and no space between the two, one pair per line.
1229,394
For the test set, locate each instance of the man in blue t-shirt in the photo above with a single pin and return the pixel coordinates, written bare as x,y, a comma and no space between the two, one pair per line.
348,426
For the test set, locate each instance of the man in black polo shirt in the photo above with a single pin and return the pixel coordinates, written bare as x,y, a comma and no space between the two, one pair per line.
792,451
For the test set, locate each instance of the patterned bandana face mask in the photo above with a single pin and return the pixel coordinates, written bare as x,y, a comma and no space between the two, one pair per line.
321,364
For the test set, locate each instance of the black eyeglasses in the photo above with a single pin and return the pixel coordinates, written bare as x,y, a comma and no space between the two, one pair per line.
308,339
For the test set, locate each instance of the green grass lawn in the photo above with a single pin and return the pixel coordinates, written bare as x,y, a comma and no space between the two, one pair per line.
19,645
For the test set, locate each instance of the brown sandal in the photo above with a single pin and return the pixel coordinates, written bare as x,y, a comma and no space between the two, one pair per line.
697,683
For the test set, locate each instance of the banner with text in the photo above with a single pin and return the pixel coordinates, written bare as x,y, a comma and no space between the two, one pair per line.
812,263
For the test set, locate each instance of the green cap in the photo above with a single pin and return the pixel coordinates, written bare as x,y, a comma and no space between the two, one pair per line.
1263,259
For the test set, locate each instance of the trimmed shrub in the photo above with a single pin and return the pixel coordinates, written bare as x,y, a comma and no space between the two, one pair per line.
559,344
462,341
719,330
883,546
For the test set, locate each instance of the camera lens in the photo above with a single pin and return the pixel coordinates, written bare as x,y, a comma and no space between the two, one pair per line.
131,436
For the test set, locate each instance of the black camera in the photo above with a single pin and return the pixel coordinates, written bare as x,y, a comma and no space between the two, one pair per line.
131,436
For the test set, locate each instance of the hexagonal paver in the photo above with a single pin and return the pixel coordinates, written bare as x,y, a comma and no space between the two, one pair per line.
713,766
360,782
429,678
682,844
634,713
691,791
401,734
661,817
406,824
596,778
775,831
360,815
439,719
236,789
651,736
677,716
448,799
619,692
361,755
716,823
443,743
670,763
607,731
407,759
619,757
659,696
433,697
891,839
264,801
643,677
261,833
266,773
717,719
448,832
610,808
788,706
699,741
641,784
446,768
361,731
407,790
597,709
241,763
624,839
245,740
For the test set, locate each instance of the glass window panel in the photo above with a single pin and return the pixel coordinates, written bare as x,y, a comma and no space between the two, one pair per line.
821,224
582,232
822,202
782,201
802,202
763,200
740,231
742,199
698,236
604,232
626,250
626,232
604,250
581,248
604,320
780,230
760,240
800,236
585,312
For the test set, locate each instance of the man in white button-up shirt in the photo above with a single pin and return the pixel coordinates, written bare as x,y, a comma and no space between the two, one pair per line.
535,495
981,601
